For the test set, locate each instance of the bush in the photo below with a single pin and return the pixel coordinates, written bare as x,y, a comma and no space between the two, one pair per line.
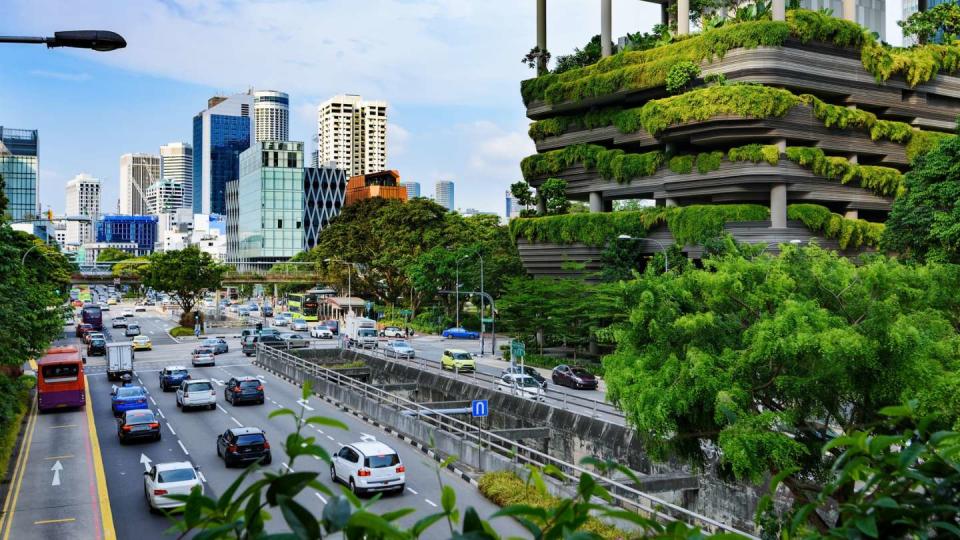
681,75
850,233
14,405
181,331
884,181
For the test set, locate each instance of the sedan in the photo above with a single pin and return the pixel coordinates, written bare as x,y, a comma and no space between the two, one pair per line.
142,343
460,333
295,341
132,330
140,309
127,398
298,325
526,370
243,444
203,356
138,424
281,320
398,348
169,479
97,347
219,345
127,313
119,322
321,332
574,377
90,336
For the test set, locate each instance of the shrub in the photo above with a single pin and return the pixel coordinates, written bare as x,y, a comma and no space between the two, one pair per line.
709,161
681,164
881,180
755,153
181,331
681,75
14,404
851,233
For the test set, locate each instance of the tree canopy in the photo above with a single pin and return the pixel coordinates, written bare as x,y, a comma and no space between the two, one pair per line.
113,254
924,25
186,275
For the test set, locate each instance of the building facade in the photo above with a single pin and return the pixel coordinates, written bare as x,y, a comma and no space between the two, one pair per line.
166,195
90,251
383,184
139,230
19,167
221,133
137,172
324,189
413,189
271,115
182,228
233,215
869,13
176,163
83,199
513,207
443,194
353,133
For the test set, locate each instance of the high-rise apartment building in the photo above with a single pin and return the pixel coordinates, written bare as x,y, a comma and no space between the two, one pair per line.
83,199
137,172
19,167
413,189
443,194
271,115
176,163
353,133
166,195
220,133
870,13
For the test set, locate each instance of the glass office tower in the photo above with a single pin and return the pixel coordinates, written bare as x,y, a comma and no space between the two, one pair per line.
19,164
220,134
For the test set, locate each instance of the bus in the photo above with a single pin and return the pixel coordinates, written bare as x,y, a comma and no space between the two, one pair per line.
91,314
60,380
306,305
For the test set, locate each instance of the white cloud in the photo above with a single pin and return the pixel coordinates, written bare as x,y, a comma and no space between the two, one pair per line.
397,139
60,75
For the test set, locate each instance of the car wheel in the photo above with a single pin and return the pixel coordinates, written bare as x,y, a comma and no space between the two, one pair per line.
268,460
159,436
261,401
353,488
120,438
212,406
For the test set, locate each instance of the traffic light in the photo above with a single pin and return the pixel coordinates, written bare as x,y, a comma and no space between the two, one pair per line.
49,215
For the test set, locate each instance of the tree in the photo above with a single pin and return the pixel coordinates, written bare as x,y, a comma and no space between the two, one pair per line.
924,223
186,275
768,358
554,193
924,25
114,255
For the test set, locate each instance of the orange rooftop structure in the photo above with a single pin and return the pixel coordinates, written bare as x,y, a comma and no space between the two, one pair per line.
384,184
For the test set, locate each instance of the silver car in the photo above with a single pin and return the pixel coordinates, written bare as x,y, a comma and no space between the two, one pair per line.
295,341
298,325
196,393
398,348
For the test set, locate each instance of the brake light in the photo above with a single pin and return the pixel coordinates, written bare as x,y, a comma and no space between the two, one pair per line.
401,468
232,448
363,472
260,388
159,492
236,390
155,424
266,445
127,428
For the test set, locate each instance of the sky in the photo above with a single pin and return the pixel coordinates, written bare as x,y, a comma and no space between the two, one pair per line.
449,69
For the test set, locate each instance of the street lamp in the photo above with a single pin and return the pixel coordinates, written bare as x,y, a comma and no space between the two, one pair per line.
458,288
23,260
482,324
98,40
349,281
666,259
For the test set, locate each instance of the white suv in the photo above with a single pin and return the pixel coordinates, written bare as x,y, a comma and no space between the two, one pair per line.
169,479
196,393
368,466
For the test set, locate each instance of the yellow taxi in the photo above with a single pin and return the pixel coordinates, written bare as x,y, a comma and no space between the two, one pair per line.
457,359
142,343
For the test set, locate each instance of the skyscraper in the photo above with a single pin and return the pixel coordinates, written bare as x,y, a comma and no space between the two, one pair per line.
323,194
353,132
137,172
271,115
19,166
83,199
220,133
413,189
165,195
443,194
176,163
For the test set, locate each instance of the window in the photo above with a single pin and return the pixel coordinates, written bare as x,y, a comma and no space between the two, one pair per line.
279,223
379,462
61,372
251,438
176,475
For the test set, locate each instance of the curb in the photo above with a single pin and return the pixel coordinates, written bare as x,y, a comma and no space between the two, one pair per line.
416,444
173,338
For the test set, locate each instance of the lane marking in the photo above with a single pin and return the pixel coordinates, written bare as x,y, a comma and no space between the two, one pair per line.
106,514
202,477
303,403
431,503
224,411
8,508
237,422
63,426
329,437
170,427
153,400
320,496
161,414
182,447
48,521
287,467
65,456
411,490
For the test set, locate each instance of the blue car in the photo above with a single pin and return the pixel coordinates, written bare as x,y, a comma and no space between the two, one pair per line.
460,333
172,376
128,398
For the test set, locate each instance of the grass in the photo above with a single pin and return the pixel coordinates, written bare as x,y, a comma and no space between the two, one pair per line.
346,365
181,331
15,411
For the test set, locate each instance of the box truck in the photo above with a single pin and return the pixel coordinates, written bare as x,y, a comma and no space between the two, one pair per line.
119,360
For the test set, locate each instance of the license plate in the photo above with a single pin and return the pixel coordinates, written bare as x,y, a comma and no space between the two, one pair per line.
59,405
141,428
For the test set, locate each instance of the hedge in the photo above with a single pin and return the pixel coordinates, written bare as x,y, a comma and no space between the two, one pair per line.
14,405
848,232
181,331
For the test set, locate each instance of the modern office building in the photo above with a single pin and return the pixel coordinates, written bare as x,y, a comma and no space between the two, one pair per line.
383,184
323,195
413,189
220,133
60,231
83,199
90,251
443,194
869,13
271,115
513,207
353,133
176,163
140,230
137,172
233,216
166,195
19,167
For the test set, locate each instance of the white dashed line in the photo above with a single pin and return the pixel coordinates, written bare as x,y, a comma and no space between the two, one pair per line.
224,411
170,427
202,477
316,457
319,496
303,403
329,437
235,421
182,447
287,467
153,400
411,490
161,414
431,503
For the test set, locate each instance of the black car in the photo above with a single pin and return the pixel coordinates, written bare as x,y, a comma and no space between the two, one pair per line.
527,370
138,424
241,389
97,347
574,377
267,311
243,444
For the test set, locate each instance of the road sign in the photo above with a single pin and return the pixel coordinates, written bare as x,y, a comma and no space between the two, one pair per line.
487,319
406,312
517,349
479,408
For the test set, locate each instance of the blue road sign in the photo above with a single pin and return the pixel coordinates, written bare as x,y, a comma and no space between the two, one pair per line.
479,408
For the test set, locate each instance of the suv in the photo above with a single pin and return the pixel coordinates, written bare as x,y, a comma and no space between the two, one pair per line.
196,393
172,376
118,322
97,347
526,370
132,330
368,466
457,360
237,445
241,389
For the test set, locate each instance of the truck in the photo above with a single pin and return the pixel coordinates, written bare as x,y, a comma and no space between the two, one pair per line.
361,332
119,360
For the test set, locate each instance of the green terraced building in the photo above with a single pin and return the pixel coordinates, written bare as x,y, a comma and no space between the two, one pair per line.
775,131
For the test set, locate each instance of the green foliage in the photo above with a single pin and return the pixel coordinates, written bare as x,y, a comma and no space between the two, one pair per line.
751,101
186,275
850,233
681,75
592,229
181,331
916,65
709,161
691,225
113,254
554,193
14,405
611,164
884,181
755,153
521,191
923,25
923,141
681,164
580,57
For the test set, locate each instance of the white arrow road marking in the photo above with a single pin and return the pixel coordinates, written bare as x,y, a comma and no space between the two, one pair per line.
57,467
146,461
303,403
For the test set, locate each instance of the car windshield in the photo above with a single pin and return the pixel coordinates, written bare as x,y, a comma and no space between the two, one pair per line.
176,475
211,341
141,416
177,372
203,350
199,387
367,332
252,438
400,344
379,462
98,342
130,391
461,356
133,327
527,382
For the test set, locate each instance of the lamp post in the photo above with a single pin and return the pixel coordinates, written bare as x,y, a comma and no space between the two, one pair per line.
98,40
666,259
349,280
482,298
458,289
23,260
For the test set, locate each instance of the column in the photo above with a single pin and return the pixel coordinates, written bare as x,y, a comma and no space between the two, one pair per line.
850,10
596,202
542,35
665,14
779,10
851,213
606,45
778,206
683,17
541,205
668,202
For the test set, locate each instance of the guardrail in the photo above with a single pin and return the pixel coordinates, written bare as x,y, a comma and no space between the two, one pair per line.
626,496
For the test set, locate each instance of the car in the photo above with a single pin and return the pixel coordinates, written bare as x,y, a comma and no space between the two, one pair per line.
298,325
219,345
243,311
267,311
240,389
368,466
243,444
321,332
87,336
127,313
142,343
138,424
196,393
140,309
232,308
118,322
203,356
393,331
526,370
457,360
131,330
97,347
173,478
333,325
283,319
521,385
126,398
574,377
83,328
172,376
111,301
294,341
399,348
104,306
460,333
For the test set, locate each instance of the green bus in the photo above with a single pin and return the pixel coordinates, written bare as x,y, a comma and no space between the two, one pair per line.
306,305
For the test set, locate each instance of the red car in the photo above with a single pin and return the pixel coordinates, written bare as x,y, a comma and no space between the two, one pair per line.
83,328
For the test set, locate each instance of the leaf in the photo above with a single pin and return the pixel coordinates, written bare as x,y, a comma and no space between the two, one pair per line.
448,499
336,513
886,502
397,514
281,412
301,520
422,525
867,525
289,484
371,524
896,411
909,454
326,421
305,392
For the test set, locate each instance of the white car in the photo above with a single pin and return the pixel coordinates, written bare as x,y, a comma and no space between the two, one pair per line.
368,466
128,313
298,325
523,386
398,348
282,319
321,331
393,331
104,306
196,393
163,479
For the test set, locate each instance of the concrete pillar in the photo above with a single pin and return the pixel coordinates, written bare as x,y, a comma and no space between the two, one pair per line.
852,213
596,202
668,202
606,45
541,35
665,14
683,17
853,158
779,10
541,205
778,206
781,144
850,10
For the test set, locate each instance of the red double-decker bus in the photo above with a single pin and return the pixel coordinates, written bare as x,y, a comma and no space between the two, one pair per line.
60,380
